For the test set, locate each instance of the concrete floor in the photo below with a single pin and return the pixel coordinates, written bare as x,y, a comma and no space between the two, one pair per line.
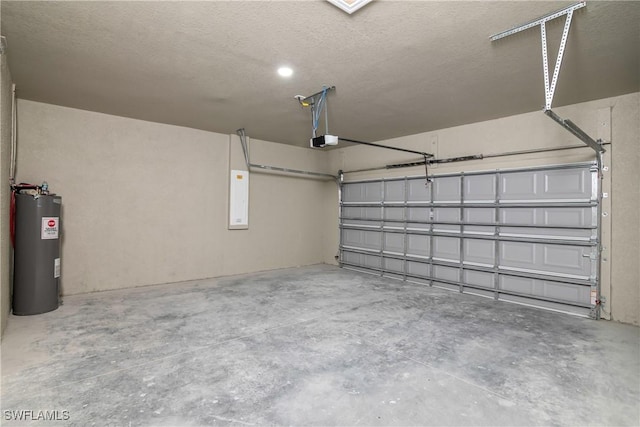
316,346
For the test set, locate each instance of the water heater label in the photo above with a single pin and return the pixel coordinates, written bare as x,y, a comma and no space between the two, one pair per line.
50,227
56,268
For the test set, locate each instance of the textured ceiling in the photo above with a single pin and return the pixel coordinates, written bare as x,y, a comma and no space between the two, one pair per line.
399,67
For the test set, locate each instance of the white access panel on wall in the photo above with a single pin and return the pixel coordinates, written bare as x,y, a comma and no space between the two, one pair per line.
239,200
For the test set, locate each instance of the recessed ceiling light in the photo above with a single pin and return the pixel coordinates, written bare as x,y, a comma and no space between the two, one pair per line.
285,71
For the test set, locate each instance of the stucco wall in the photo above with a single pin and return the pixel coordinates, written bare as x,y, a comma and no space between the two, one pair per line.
146,203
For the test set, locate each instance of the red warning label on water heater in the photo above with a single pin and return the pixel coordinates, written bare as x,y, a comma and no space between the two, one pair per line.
50,227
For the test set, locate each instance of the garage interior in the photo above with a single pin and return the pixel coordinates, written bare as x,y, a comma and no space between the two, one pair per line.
466,254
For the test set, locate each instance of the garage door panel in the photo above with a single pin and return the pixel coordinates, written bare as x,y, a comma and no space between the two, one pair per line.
479,278
446,214
567,259
518,285
368,192
362,239
396,214
446,248
418,245
417,191
446,273
572,216
479,188
351,237
371,240
352,212
485,215
362,212
418,214
519,186
446,189
541,227
567,184
480,251
546,258
554,217
519,216
394,191
556,184
372,261
418,269
394,265
351,257
518,254
546,289
394,242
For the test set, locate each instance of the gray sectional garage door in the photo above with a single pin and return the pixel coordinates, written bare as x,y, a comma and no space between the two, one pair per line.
528,236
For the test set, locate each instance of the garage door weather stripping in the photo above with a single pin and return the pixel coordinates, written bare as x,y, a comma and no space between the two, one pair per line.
527,236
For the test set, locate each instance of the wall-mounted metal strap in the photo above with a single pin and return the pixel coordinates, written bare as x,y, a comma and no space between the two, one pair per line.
245,149
576,131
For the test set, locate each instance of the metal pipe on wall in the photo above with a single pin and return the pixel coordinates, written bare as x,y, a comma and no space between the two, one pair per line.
245,149
14,140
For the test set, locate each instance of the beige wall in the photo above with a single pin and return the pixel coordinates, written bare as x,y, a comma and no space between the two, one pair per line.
146,203
613,119
625,211
5,157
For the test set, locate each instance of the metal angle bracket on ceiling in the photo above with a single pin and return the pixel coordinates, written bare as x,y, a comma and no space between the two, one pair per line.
550,87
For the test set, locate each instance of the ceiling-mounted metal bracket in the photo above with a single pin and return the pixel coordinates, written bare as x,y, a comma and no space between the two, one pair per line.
317,102
549,87
577,132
